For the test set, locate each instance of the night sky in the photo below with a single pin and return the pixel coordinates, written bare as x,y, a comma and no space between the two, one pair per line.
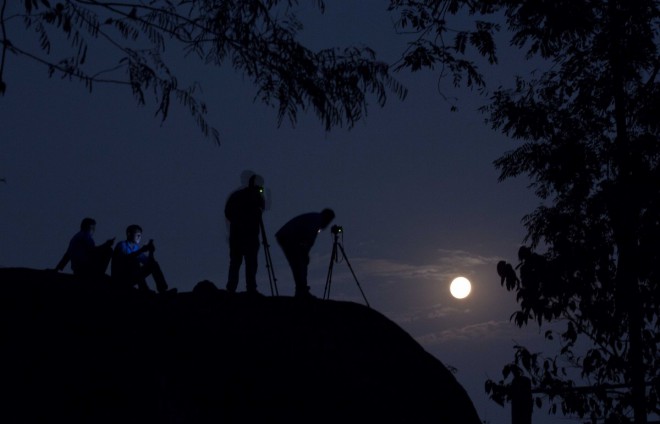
412,185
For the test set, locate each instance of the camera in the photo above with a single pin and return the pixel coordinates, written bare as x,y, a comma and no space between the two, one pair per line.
336,229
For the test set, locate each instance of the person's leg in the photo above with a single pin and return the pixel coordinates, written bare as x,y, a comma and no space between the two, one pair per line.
299,268
152,268
101,259
298,261
235,261
251,268
159,278
289,250
141,284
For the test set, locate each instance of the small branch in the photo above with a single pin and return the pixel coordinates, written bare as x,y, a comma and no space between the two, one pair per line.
588,389
5,44
65,71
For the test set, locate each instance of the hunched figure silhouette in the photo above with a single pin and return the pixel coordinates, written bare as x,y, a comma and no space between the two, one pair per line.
296,239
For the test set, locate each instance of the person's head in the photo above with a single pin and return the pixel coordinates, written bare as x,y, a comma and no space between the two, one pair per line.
134,233
327,215
256,181
88,225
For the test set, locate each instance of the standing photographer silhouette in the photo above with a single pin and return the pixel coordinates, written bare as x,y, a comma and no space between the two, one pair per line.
243,211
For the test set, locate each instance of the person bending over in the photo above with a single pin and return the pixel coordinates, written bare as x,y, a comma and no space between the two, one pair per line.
296,239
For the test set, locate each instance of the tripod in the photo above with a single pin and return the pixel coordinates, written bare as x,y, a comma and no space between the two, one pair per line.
334,258
269,262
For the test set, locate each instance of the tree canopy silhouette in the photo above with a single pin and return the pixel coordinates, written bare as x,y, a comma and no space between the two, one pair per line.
589,142
588,131
124,43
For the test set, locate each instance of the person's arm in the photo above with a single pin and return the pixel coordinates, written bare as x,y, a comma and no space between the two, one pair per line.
107,244
64,261
309,230
145,253
150,248
123,250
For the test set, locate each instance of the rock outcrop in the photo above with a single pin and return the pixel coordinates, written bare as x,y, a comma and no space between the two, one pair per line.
86,352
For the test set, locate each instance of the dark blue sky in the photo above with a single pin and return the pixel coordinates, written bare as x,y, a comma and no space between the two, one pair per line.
412,184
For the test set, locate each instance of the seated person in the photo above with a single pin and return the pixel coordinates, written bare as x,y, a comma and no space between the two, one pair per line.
87,259
131,264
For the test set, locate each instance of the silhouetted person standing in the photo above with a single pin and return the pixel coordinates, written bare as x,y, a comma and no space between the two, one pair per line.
243,210
296,239
132,264
87,259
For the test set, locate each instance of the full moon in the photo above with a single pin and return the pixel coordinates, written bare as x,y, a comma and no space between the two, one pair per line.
460,287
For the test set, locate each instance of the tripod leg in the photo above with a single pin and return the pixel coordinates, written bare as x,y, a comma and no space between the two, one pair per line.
271,271
354,277
328,280
269,263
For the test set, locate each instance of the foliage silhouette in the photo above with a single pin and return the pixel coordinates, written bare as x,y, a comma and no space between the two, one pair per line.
590,147
437,42
256,37
589,142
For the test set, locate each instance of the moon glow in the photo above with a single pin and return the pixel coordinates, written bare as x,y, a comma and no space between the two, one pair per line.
460,287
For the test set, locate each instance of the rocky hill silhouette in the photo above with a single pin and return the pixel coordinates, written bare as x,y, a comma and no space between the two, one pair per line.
86,352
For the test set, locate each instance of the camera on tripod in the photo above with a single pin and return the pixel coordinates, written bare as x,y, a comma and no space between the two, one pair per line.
338,249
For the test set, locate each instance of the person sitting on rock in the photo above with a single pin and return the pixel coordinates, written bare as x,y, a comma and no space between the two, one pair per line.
132,264
87,259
